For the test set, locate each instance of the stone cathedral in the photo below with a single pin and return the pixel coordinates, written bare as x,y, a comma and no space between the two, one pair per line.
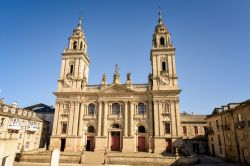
125,117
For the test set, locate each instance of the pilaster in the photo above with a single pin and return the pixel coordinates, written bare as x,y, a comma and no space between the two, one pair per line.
99,118
126,119
131,118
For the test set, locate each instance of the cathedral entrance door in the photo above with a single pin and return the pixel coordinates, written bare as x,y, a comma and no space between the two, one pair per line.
115,138
63,142
168,145
141,144
90,143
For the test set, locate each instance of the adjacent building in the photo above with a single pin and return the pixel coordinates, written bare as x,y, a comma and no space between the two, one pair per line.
44,112
229,132
29,131
127,117
194,131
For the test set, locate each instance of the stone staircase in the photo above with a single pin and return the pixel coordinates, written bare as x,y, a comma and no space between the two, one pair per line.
95,158
44,157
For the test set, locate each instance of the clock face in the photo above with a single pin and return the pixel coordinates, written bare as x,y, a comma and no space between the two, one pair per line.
164,80
68,82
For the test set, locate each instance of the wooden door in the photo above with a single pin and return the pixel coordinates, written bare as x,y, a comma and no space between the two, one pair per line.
115,138
90,143
141,144
168,145
63,142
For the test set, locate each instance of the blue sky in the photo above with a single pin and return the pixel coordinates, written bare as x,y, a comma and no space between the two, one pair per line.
211,39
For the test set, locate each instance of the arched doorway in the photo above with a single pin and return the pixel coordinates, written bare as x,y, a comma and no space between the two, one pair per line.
115,137
90,144
141,139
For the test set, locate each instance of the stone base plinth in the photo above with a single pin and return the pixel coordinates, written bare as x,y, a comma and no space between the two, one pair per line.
128,144
100,144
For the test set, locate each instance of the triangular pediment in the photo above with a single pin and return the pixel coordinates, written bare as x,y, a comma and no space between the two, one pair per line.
116,88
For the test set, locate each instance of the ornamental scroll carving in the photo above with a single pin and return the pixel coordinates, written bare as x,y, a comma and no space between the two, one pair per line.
166,110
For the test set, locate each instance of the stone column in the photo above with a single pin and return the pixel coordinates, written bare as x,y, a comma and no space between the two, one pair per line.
156,119
131,118
150,131
75,123
81,120
71,117
99,119
105,118
59,120
161,124
173,119
56,117
63,67
177,116
126,119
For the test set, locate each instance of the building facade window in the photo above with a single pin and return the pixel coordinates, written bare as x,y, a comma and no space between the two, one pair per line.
91,109
141,129
163,64
2,122
167,127
219,141
27,145
71,69
91,129
116,108
74,45
205,129
184,130
162,41
196,130
141,108
115,126
239,118
217,125
64,128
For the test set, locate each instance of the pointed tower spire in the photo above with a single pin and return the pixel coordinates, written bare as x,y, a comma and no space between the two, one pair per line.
116,75
160,18
79,26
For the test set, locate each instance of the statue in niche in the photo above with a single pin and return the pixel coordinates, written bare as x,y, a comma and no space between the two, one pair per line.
65,108
104,78
129,76
166,110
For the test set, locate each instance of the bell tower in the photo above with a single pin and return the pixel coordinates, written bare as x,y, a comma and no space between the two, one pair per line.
75,62
163,59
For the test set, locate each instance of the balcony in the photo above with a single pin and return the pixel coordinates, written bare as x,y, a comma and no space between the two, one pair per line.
90,116
210,131
32,128
115,116
14,126
241,124
140,116
64,114
225,127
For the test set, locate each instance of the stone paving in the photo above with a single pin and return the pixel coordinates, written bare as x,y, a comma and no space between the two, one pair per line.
64,164
209,161
204,161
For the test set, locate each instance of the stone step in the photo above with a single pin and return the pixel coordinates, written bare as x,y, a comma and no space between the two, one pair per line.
93,158
44,157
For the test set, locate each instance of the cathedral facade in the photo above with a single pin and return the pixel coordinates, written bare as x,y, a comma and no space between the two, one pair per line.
117,117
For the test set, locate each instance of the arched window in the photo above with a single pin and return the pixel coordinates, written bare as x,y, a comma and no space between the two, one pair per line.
141,129
162,41
141,108
91,109
81,45
74,45
115,126
184,130
116,108
91,129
